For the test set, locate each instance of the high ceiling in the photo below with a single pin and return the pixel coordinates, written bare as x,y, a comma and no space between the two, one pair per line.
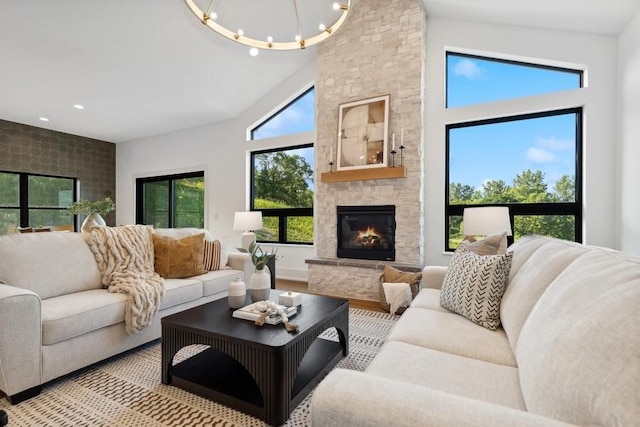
148,67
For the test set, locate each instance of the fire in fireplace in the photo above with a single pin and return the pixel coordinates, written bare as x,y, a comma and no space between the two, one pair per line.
367,232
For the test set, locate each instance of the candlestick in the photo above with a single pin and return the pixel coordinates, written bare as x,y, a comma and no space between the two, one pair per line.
393,141
331,154
401,136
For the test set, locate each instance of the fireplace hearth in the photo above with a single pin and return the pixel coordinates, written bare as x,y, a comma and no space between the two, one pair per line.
366,232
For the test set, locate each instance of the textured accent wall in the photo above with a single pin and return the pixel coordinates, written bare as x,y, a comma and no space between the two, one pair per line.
35,150
379,51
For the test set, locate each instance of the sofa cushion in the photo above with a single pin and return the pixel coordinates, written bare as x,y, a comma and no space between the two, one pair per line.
178,258
532,279
49,264
429,298
74,314
178,233
178,291
474,285
458,375
579,350
451,333
214,282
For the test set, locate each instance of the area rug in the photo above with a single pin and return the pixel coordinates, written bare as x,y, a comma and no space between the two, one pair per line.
126,391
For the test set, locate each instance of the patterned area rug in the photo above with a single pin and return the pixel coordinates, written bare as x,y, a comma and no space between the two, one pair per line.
127,392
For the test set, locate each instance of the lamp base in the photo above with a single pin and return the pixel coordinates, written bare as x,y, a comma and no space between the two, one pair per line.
247,238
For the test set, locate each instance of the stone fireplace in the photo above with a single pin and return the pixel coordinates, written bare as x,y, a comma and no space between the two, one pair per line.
366,232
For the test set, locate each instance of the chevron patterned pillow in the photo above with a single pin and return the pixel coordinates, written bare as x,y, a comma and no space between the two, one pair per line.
474,284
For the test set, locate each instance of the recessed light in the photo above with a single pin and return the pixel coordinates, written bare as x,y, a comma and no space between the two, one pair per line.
78,106
44,119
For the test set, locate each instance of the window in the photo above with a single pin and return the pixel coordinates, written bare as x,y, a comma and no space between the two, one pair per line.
528,162
30,200
474,79
282,188
171,201
295,117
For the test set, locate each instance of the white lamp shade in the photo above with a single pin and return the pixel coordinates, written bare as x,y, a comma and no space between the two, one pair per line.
245,221
486,220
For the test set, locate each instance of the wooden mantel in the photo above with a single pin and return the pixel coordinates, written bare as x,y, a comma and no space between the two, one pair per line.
364,174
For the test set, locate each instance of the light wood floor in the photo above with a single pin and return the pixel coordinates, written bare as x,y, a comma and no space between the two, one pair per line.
293,285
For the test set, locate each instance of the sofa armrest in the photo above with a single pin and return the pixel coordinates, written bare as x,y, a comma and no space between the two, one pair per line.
241,261
351,398
433,276
20,339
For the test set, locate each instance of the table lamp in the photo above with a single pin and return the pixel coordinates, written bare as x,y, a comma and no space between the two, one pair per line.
247,222
486,220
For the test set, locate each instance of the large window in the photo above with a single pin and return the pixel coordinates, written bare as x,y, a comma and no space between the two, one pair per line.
295,117
171,201
528,162
282,188
30,200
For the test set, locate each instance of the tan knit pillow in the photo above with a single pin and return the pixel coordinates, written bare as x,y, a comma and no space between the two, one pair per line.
212,251
178,258
393,275
494,244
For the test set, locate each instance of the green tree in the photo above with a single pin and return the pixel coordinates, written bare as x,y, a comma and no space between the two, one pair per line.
282,177
495,192
459,193
565,189
529,187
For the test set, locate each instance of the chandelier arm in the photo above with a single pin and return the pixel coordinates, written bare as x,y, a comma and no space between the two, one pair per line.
210,8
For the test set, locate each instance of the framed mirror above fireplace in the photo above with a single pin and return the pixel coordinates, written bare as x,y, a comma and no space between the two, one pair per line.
366,232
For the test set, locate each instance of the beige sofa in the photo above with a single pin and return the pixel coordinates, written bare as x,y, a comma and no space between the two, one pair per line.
568,351
55,317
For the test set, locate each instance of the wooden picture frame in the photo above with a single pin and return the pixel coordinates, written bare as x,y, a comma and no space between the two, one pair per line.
363,130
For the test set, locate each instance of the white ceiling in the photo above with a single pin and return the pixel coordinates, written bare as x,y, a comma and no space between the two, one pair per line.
148,67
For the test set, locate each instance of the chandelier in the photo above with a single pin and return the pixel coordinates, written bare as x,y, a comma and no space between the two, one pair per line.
297,25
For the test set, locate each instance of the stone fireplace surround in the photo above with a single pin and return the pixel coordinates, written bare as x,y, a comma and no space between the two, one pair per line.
380,50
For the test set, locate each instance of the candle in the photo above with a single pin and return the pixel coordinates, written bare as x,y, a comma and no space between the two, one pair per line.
402,137
393,141
331,154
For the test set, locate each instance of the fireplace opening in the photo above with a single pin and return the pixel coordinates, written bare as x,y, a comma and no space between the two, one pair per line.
367,232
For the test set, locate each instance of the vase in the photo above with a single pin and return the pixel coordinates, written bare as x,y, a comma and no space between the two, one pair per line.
260,286
91,220
237,293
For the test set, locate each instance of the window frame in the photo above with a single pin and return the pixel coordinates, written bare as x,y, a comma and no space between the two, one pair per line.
23,197
172,201
523,209
281,213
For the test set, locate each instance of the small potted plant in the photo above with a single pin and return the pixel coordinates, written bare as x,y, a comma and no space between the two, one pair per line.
94,211
260,282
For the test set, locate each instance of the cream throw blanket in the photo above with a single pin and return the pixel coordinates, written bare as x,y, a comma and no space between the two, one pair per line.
125,259
397,295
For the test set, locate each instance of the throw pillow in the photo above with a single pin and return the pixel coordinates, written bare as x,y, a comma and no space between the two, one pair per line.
393,275
494,244
212,251
178,258
473,286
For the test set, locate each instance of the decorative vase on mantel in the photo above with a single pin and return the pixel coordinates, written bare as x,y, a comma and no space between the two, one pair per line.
260,285
91,220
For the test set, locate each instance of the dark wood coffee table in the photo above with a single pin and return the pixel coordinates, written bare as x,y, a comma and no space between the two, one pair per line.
262,371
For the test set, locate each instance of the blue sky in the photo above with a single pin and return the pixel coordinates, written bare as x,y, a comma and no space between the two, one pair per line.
500,151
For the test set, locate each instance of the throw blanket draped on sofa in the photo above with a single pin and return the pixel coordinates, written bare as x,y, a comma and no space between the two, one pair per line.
125,259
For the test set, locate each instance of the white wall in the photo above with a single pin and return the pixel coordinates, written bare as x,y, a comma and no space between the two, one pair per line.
222,151
629,94
596,53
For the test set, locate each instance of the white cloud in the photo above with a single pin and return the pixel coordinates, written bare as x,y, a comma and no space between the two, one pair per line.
555,144
468,68
539,155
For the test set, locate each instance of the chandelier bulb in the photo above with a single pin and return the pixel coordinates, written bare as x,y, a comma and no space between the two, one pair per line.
254,51
336,6
213,16
322,27
240,32
270,39
298,38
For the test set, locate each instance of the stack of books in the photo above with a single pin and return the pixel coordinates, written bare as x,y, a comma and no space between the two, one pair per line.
250,312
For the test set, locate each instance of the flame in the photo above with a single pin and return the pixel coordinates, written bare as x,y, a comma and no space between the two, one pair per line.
369,233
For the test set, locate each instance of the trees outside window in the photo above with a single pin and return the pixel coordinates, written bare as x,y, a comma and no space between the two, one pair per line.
171,201
30,200
282,188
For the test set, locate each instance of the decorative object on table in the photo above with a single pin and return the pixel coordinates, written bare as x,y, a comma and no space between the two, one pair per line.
486,220
290,299
224,21
260,281
94,211
268,312
397,282
237,293
247,222
362,134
